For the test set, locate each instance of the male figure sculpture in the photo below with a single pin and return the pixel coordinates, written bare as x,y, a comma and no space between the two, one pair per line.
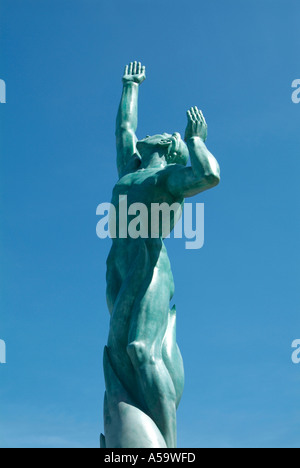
142,363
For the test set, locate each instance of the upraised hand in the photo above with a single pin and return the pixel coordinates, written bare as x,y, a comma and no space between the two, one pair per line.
197,126
134,73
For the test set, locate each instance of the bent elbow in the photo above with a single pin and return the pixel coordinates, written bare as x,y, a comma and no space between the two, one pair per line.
212,175
213,179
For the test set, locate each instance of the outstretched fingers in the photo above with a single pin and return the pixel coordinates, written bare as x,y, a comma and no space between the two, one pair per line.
195,115
197,125
190,116
201,116
135,68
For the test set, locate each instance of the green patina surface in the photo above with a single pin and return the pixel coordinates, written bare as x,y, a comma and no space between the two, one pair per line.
143,367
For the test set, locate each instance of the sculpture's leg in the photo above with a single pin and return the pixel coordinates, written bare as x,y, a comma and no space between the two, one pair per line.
126,425
148,327
142,363
172,356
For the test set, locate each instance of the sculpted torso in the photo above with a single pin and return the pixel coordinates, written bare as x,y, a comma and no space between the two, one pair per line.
148,187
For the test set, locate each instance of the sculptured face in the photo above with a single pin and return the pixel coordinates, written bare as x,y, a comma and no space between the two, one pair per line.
170,146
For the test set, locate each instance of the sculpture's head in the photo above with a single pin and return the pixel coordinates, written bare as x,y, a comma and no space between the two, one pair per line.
169,146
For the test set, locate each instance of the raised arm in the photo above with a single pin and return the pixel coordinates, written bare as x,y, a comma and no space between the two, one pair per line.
205,171
127,117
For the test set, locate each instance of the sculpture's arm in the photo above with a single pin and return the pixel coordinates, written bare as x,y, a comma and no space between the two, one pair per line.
127,118
205,171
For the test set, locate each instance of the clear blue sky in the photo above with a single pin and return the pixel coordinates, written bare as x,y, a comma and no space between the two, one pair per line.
238,298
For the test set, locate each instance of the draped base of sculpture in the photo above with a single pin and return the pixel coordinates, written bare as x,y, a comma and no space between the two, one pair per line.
143,366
